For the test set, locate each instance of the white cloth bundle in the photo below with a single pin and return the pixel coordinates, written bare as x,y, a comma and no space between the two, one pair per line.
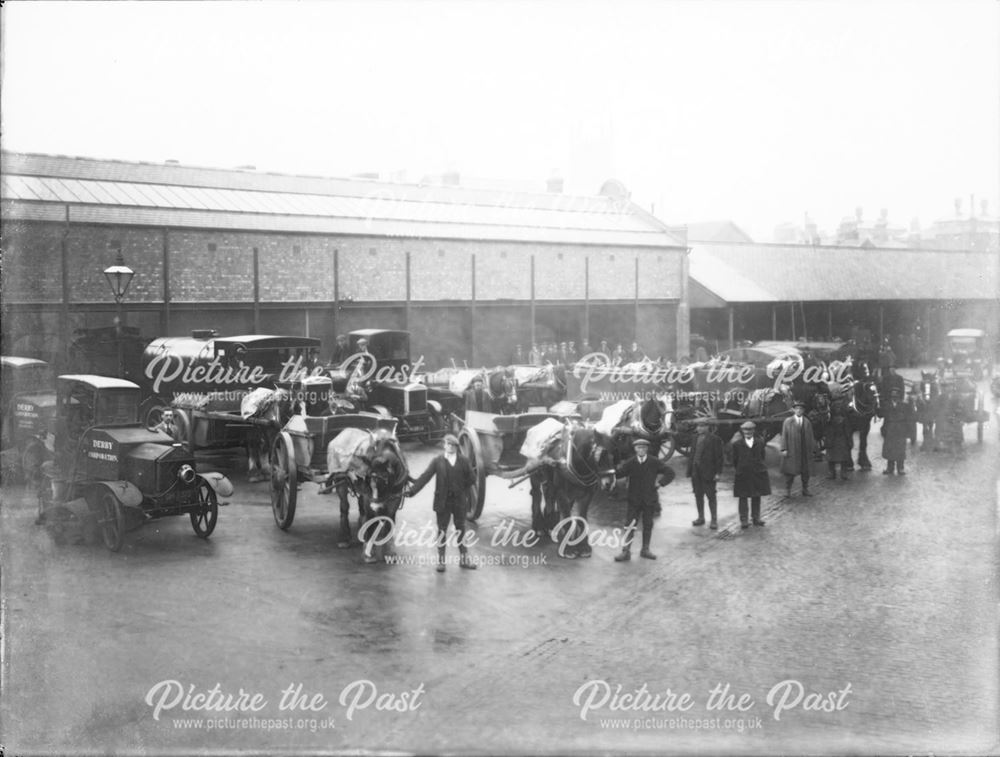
612,416
539,436
344,452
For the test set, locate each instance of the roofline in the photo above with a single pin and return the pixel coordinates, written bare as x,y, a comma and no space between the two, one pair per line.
829,247
6,155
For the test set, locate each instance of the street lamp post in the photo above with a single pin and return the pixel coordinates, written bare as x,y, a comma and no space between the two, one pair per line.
119,276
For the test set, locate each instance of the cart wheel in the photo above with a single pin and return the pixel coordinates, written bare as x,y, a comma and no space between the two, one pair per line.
667,447
182,422
473,451
203,521
284,481
112,521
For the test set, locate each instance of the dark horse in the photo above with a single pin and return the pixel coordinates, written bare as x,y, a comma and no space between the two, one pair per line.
928,397
578,464
863,403
501,388
382,496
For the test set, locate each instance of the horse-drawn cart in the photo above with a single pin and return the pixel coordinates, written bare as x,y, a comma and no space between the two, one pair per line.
299,453
492,443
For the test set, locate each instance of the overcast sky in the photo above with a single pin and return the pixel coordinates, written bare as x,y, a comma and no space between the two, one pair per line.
752,111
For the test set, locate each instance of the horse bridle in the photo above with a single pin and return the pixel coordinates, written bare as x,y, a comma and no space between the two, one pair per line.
591,477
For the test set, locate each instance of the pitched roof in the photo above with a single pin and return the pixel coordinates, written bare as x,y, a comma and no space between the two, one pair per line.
804,273
39,187
716,231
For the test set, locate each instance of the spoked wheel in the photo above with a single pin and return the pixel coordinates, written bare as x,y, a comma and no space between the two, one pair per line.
468,442
284,481
112,521
667,447
204,519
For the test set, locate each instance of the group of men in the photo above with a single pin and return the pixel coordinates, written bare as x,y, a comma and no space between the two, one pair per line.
566,353
797,446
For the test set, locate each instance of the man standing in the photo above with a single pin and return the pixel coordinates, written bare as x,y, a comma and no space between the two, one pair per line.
751,482
453,479
644,473
340,350
797,444
896,422
704,466
475,396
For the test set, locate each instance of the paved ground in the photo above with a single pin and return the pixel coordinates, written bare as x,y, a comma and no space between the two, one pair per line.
878,597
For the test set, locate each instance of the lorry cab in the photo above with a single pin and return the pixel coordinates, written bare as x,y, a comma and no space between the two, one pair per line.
968,353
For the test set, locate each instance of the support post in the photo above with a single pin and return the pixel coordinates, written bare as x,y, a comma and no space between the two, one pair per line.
256,291
165,318
586,300
732,330
774,323
472,315
791,310
635,317
409,295
64,334
533,339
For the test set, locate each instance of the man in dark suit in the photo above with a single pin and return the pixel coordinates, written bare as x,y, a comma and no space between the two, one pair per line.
645,473
704,466
452,480
476,397
751,481
341,351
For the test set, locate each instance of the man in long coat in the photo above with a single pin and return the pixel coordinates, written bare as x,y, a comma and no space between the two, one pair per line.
704,467
751,481
476,397
645,473
896,421
839,440
453,479
797,447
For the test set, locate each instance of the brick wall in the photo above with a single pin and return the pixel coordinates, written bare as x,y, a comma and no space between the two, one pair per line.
211,285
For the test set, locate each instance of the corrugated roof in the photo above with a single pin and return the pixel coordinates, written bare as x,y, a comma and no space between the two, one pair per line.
180,194
803,273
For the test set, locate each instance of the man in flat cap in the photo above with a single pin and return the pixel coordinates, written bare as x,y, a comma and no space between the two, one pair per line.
645,473
797,447
897,418
703,468
453,481
751,481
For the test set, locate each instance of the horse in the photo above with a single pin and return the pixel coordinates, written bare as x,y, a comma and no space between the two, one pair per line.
268,410
382,496
588,465
571,469
543,389
928,397
863,402
501,388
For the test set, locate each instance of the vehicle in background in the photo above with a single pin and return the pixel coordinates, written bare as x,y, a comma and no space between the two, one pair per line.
968,353
27,401
390,387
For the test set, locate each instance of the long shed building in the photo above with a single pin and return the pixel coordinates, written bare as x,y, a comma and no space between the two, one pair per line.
470,272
